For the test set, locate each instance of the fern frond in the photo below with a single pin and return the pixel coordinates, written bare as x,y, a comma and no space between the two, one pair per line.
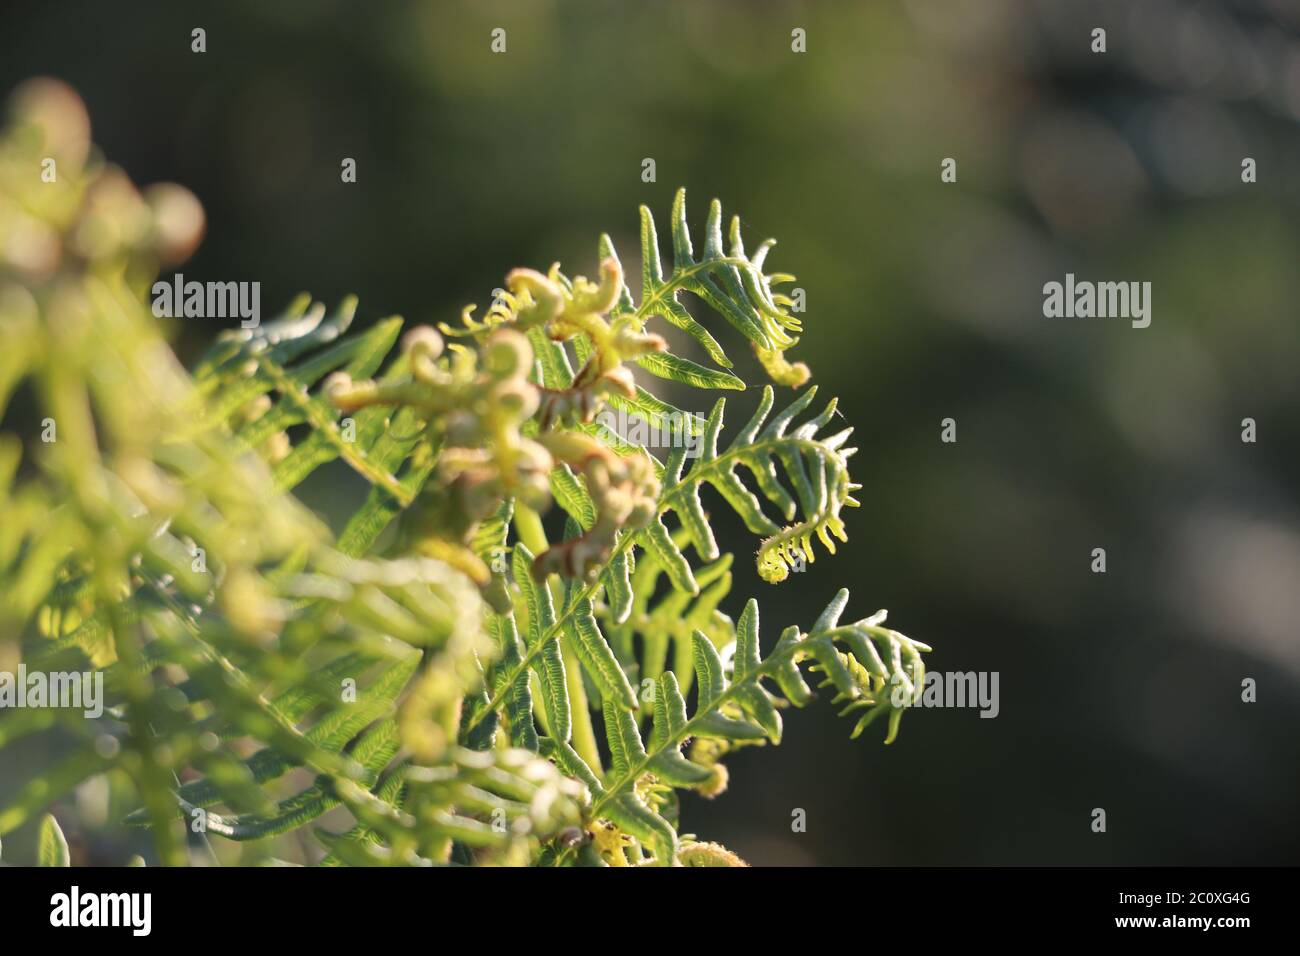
740,709
728,281
420,600
439,693
724,278
815,467
493,806
708,854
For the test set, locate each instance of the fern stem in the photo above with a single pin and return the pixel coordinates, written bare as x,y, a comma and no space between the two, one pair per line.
696,476
588,591
677,281
634,772
529,525
584,734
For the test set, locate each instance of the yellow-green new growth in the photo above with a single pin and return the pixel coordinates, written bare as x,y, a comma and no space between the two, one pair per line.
432,665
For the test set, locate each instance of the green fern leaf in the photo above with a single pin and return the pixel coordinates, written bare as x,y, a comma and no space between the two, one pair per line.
816,468
597,657
668,366
741,709
544,647
666,618
51,845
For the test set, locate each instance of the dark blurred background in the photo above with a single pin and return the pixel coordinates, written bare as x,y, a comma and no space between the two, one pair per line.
1120,691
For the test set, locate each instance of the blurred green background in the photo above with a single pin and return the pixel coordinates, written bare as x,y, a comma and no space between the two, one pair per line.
1119,691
